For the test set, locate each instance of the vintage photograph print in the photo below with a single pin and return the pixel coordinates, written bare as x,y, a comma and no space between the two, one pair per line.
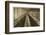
24,17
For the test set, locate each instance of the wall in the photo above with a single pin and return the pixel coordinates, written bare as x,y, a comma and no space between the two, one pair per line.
19,12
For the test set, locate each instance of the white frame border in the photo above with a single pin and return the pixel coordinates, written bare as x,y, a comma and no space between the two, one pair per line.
12,29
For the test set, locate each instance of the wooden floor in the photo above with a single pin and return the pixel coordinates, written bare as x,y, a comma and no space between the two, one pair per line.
21,22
